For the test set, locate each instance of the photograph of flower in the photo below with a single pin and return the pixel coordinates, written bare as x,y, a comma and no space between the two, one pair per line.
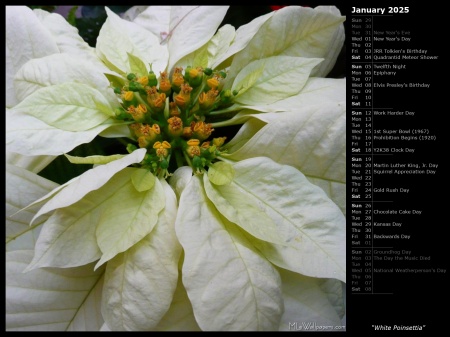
199,171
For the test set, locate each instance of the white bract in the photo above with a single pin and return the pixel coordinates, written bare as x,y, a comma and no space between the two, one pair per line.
179,229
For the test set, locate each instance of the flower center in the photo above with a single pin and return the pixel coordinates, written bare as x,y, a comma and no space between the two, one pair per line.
169,117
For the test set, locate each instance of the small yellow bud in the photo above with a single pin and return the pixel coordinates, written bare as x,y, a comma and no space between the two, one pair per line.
164,83
156,100
205,145
138,113
187,132
201,130
184,96
218,142
207,99
162,148
143,80
175,126
173,110
146,134
127,96
213,83
193,149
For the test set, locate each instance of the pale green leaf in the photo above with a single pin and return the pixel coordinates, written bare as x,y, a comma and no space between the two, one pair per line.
60,68
307,305
180,178
313,224
140,283
230,286
271,79
36,41
137,67
296,31
335,190
242,36
221,173
180,316
21,188
190,28
30,136
67,106
68,238
50,299
239,206
118,37
142,180
117,130
93,159
129,217
89,181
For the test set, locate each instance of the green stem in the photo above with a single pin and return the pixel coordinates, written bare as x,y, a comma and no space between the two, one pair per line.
188,160
179,159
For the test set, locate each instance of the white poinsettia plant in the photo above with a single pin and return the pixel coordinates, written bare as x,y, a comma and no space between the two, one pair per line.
182,229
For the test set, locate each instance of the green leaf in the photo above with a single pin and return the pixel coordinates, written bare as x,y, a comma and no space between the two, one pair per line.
239,206
73,106
119,37
309,303
51,299
137,66
71,16
191,27
312,223
142,180
221,173
22,188
94,159
36,41
296,31
230,286
127,218
140,283
271,79
78,187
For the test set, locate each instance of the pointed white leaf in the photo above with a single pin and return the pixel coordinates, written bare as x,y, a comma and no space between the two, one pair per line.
268,80
131,13
231,287
190,28
140,283
118,37
310,139
128,217
180,316
313,224
296,31
68,238
50,299
67,38
243,35
36,41
335,190
30,136
206,55
22,187
155,19
33,164
60,68
67,106
89,181
307,305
